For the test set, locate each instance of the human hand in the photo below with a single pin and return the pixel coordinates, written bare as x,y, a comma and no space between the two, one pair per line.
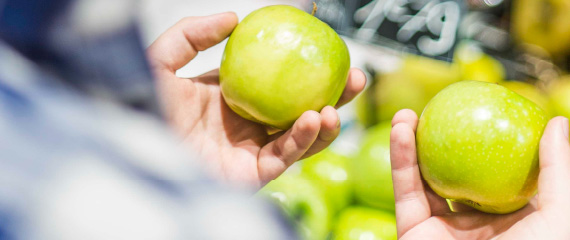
422,214
236,149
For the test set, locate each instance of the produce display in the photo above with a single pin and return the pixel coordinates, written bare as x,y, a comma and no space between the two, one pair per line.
483,101
331,196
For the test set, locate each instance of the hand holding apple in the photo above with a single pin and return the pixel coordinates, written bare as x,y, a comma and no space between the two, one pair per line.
237,150
422,214
477,144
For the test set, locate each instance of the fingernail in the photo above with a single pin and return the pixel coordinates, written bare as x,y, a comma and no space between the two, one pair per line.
565,128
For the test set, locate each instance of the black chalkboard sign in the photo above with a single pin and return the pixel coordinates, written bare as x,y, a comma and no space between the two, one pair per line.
423,27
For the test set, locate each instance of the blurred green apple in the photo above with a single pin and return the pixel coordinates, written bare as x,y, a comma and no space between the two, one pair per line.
543,23
560,97
360,223
476,65
412,86
371,169
532,93
396,91
477,144
280,62
303,202
365,108
329,171
431,74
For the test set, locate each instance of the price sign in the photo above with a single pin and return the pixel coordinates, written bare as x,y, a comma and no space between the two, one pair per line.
424,27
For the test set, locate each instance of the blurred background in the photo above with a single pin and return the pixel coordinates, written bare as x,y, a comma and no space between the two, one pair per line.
410,50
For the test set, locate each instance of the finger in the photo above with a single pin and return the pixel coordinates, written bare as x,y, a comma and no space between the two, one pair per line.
412,205
278,155
554,160
330,128
410,194
438,205
181,43
354,85
406,116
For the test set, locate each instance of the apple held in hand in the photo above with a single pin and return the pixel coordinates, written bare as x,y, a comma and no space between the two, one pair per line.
532,93
477,144
371,169
280,62
358,223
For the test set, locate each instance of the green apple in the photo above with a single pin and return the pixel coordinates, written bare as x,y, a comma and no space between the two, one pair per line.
477,144
303,202
560,97
431,74
365,108
476,65
280,62
396,91
371,169
359,223
532,93
411,86
543,23
329,171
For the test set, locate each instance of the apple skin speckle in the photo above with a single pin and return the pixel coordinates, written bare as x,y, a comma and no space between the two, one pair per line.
486,157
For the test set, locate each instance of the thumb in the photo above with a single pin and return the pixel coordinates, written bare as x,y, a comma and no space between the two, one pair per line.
554,177
181,43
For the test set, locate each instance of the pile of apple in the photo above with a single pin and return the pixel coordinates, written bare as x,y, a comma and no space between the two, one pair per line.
419,79
341,197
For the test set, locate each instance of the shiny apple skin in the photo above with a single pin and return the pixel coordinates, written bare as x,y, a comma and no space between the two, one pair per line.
477,143
280,62
532,93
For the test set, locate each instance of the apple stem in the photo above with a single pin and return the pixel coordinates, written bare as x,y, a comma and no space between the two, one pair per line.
314,9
